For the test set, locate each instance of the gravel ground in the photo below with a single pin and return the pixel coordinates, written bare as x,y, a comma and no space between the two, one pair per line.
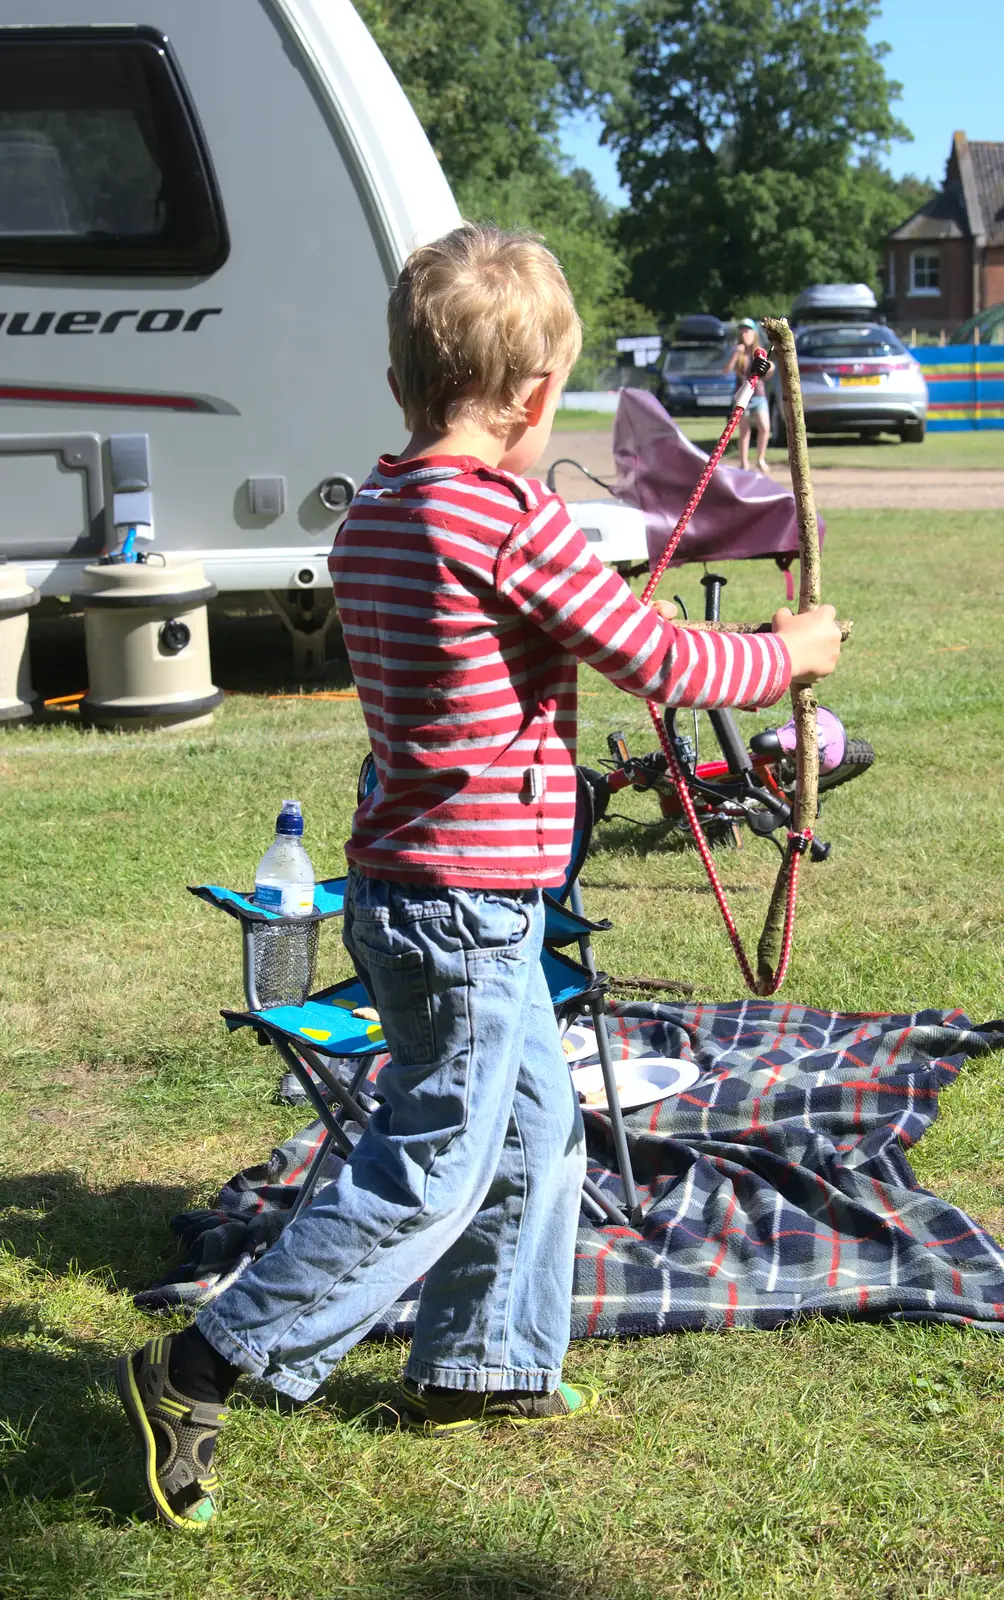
837,488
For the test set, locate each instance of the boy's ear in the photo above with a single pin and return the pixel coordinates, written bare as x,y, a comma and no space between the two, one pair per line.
395,391
537,400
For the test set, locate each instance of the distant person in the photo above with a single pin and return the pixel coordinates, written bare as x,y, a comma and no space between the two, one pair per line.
757,413
468,598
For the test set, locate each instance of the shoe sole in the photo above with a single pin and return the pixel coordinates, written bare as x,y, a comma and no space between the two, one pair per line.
416,1423
132,1402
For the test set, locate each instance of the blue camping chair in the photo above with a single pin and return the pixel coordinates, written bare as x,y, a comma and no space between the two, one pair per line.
330,1052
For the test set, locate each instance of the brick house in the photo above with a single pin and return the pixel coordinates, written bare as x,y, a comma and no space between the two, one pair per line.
946,262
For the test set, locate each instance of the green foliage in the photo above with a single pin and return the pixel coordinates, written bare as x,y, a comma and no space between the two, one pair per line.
749,141
912,192
490,80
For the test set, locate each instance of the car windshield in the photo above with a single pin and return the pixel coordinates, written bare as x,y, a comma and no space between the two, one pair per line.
848,344
706,358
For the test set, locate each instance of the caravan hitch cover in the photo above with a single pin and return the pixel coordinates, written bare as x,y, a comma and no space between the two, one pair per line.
174,636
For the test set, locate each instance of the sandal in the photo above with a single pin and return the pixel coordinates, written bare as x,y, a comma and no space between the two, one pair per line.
174,1431
434,1411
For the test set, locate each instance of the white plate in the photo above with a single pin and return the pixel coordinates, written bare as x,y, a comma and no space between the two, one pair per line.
640,1081
578,1042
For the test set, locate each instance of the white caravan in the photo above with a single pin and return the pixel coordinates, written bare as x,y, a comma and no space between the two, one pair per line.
202,203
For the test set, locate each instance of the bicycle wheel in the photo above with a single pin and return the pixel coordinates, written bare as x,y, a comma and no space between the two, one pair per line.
858,757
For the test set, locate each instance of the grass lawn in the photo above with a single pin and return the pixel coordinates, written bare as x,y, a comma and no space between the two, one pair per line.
828,1460
576,421
944,451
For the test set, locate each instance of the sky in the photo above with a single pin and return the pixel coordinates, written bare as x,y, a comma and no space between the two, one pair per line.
949,60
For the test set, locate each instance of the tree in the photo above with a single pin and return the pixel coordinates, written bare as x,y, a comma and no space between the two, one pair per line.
748,139
490,81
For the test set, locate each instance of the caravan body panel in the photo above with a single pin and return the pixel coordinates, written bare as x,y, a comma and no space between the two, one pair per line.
254,380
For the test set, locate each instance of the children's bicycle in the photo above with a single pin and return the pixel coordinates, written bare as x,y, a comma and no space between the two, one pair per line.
750,786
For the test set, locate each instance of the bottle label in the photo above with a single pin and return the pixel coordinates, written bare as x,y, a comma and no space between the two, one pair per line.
289,900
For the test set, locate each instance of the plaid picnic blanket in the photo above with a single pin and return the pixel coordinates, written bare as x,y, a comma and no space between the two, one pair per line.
777,1187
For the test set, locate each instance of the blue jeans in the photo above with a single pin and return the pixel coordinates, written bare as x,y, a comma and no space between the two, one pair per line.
468,1174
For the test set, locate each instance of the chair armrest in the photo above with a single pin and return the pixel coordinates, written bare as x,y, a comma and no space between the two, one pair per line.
329,901
563,926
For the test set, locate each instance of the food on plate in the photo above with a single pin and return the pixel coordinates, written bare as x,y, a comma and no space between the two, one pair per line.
598,1097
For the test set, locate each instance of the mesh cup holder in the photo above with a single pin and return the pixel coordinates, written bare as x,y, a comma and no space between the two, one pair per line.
284,960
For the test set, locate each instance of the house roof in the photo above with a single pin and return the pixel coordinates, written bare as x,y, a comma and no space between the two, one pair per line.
970,203
942,217
988,171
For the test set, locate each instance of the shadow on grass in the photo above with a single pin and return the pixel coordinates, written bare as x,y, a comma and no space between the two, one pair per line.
254,654
249,654
613,840
70,1465
495,1575
64,1433
56,1220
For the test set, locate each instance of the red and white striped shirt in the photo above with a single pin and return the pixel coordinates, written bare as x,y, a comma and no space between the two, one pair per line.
468,597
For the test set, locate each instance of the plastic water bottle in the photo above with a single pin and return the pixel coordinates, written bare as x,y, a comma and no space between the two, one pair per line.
284,954
284,881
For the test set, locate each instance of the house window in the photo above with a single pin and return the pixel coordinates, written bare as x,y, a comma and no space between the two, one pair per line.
890,287
102,163
925,272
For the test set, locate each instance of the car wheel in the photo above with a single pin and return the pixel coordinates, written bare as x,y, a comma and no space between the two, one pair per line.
912,432
778,431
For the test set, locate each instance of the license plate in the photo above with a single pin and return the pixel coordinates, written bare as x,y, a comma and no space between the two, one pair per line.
857,383
713,399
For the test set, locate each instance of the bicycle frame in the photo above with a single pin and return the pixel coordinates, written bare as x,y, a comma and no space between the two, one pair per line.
743,787
731,790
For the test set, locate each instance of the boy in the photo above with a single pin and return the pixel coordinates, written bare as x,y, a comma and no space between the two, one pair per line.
467,598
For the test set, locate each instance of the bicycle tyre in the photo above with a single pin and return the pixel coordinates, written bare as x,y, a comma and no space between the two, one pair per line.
858,757
599,782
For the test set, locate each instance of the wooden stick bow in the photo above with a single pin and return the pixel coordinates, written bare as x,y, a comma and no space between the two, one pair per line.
769,950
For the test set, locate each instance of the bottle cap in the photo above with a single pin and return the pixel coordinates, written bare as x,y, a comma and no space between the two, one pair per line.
290,819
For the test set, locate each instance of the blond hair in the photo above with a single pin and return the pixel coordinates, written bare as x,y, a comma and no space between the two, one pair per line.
471,318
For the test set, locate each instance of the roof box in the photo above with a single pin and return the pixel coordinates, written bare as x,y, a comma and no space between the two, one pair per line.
699,330
853,301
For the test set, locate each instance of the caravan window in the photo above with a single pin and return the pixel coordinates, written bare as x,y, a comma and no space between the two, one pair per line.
102,164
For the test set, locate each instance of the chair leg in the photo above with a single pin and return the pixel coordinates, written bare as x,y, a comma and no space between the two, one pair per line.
346,1098
600,1206
302,1064
327,1116
616,1115
309,1184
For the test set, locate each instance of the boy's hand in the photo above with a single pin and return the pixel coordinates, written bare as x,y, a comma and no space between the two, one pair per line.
812,640
665,609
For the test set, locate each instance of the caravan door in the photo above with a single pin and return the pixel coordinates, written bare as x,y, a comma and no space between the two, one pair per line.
201,208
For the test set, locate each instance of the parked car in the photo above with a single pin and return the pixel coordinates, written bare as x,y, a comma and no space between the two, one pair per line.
840,302
691,377
857,377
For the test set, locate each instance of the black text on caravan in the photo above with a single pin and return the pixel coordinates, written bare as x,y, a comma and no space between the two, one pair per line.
28,323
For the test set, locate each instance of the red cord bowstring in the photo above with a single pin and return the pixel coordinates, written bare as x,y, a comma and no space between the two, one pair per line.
795,841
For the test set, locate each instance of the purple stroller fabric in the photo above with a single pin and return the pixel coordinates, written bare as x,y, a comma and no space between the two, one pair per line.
742,514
